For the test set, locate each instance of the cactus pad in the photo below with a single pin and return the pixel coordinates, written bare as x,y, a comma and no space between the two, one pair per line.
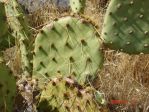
3,20
77,5
20,30
126,26
66,95
7,89
68,46
6,40
16,19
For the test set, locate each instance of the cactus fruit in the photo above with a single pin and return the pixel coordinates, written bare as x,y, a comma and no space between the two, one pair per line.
77,6
66,95
20,30
67,46
126,26
7,89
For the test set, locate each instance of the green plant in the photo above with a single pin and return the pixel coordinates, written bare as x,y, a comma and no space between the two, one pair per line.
6,39
66,95
77,6
67,46
126,26
3,22
7,89
20,30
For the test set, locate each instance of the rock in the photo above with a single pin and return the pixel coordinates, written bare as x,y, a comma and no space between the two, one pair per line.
32,5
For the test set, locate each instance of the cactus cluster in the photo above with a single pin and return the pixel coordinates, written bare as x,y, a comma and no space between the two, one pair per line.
67,52
68,46
7,89
66,95
126,26
12,27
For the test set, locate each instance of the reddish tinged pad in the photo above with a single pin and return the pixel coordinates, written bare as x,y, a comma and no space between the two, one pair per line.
66,95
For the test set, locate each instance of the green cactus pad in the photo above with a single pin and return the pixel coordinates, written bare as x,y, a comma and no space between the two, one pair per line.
7,89
3,20
66,95
126,26
77,5
6,40
68,46
20,30
17,19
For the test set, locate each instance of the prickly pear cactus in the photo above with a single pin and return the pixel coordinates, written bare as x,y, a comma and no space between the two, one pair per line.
1,57
7,89
6,39
16,18
77,5
66,95
126,26
68,46
3,20
20,30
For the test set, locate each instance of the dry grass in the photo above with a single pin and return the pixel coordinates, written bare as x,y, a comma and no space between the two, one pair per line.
123,77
